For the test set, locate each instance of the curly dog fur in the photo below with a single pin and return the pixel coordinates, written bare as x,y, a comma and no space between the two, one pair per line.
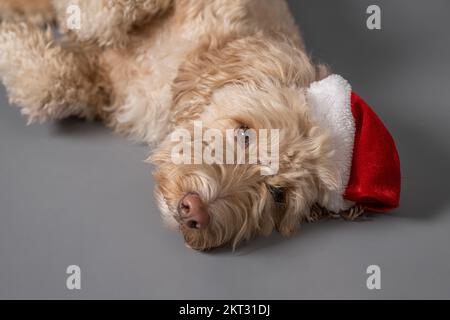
147,67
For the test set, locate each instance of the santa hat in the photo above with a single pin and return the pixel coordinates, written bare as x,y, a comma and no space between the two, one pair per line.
365,156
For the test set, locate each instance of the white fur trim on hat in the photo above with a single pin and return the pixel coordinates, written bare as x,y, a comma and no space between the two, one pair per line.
330,102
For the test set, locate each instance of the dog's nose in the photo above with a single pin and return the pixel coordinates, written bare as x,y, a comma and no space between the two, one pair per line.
193,211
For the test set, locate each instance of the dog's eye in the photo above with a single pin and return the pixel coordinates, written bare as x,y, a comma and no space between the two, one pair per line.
243,134
277,193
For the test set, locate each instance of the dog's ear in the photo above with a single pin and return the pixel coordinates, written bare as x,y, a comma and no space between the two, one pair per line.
307,173
301,199
266,222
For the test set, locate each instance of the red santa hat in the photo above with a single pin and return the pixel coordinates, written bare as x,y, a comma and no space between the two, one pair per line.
365,155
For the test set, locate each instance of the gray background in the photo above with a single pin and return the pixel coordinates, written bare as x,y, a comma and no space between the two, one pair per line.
74,193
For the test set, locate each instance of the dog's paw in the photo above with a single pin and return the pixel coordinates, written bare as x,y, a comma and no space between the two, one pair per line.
23,65
18,42
38,12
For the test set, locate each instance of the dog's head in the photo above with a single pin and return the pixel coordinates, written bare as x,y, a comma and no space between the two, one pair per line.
250,160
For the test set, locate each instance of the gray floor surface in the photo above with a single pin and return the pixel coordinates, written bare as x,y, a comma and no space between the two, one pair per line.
74,193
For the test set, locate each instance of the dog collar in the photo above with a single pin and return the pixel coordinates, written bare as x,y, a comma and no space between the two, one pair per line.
365,154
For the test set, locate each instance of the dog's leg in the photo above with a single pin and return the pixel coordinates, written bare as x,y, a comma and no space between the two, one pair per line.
38,12
109,22
45,80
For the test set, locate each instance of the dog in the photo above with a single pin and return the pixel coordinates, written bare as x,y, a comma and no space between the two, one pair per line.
150,68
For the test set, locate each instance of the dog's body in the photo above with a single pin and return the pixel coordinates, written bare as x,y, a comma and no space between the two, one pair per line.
147,67
134,70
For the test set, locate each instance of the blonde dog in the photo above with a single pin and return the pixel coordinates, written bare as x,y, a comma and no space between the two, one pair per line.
147,68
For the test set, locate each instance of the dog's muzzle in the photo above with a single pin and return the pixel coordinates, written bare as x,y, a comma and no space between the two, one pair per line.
192,211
